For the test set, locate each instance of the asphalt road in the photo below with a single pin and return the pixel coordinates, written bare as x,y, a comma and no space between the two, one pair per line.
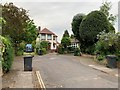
64,71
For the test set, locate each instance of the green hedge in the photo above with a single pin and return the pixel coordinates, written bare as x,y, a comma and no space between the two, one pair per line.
7,54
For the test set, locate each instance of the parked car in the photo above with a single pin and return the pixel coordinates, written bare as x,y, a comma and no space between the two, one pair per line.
29,48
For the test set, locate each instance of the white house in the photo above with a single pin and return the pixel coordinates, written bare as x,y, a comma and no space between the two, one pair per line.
74,43
47,35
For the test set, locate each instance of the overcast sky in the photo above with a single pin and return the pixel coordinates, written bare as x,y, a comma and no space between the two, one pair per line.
56,15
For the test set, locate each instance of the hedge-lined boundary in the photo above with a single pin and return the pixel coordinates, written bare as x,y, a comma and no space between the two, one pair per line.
7,54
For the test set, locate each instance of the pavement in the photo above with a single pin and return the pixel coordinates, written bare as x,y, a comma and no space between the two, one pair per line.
18,78
95,65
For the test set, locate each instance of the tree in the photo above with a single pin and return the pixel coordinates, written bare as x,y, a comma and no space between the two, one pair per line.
65,42
105,8
72,36
94,23
66,34
30,32
77,19
16,21
18,25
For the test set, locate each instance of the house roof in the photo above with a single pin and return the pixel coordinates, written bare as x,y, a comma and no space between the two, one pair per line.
74,40
46,31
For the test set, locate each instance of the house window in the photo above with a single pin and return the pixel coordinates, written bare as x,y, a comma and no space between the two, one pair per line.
54,38
43,37
49,37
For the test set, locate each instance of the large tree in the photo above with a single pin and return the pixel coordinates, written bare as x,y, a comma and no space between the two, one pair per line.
18,25
77,19
105,8
94,23
30,32
66,33
65,42
16,22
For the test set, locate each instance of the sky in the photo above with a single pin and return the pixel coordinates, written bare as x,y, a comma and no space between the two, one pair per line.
57,15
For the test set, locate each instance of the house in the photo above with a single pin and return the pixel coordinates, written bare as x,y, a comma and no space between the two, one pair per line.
47,35
74,43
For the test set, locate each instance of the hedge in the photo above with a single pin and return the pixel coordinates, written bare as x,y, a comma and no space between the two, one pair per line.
7,54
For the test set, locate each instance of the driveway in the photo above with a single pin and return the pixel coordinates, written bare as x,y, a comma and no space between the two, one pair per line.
65,71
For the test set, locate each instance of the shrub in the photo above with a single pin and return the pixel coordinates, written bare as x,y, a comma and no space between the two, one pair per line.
109,43
44,44
90,49
44,51
41,45
70,49
77,52
19,53
20,49
8,54
100,57
60,49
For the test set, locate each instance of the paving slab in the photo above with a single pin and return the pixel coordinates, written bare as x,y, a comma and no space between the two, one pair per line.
24,80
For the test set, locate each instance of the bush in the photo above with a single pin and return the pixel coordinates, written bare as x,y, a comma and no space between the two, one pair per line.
60,49
20,52
20,49
8,54
77,52
109,43
44,51
90,50
70,49
42,45
100,57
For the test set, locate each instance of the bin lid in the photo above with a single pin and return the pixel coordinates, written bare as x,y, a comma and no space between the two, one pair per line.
28,56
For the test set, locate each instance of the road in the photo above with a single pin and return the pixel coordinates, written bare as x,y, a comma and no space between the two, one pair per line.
65,71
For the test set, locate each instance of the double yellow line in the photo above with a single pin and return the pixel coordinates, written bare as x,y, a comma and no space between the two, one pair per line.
42,86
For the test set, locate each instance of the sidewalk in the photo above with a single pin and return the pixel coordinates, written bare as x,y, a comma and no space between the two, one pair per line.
17,77
91,63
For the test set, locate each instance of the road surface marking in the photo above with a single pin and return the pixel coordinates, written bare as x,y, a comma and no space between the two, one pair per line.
40,80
